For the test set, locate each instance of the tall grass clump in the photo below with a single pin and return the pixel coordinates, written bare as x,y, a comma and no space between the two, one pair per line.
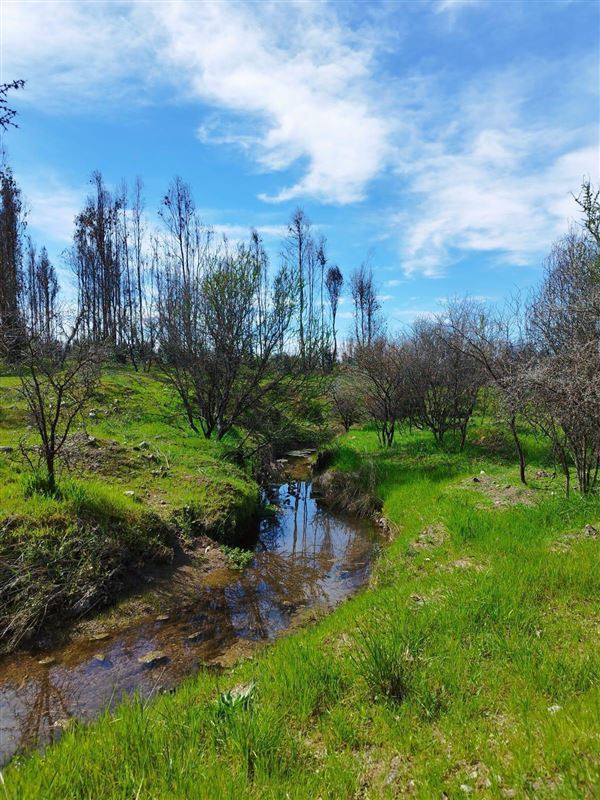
387,657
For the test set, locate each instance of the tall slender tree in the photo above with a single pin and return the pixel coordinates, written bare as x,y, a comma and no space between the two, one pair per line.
298,254
12,230
334,283
367,323
40,294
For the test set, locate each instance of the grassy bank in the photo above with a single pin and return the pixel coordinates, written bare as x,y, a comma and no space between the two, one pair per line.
469,667
136,484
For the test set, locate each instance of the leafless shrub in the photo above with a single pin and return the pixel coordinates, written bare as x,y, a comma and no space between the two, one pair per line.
494,340
57,379
383,367
348,399
561,382
444,380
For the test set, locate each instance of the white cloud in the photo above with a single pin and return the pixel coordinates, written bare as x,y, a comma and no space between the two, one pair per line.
499,179
75,54
474,203
303,78
292,73
297,88
454,5
53,206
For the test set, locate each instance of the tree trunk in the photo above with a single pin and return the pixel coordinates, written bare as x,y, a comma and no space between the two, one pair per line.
513,429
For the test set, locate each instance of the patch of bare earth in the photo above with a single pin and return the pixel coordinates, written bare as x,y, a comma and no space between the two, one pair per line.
384,774
84,453
462,564
431,536
502,495
563,544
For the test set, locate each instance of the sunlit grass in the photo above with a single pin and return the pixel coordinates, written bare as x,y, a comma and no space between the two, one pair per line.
471,662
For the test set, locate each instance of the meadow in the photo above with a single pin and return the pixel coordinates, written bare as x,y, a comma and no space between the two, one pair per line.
468,666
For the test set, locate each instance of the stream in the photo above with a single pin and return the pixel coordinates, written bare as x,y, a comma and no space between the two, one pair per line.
305,557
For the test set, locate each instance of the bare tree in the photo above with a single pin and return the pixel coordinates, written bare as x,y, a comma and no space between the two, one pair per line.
40,294
367,324
324,333
97,261
7,114
58,378
562,379
383,367
494,339
445,381
299,255
348,399
334,282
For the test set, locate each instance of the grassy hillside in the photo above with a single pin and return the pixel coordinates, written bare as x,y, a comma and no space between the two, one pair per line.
136,480
470,666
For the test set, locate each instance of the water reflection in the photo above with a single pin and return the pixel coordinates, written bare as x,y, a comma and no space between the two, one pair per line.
305,556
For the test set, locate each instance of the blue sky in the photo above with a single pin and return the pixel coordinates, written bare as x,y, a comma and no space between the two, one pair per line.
439,139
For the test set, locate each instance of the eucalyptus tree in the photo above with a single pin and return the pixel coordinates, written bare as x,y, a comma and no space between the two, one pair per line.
97,260
367,320
40,294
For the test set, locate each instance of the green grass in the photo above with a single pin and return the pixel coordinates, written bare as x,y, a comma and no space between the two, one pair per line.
134,479
175,468
469,666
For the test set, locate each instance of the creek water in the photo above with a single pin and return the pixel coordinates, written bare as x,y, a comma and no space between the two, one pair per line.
305,556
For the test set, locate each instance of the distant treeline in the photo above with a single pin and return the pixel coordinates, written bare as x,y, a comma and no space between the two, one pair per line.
240,340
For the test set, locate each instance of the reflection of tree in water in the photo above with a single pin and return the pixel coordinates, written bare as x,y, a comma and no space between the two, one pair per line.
304,556
297,553
36,708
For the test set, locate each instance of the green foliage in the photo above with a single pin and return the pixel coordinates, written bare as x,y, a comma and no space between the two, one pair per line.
237,557
37,483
